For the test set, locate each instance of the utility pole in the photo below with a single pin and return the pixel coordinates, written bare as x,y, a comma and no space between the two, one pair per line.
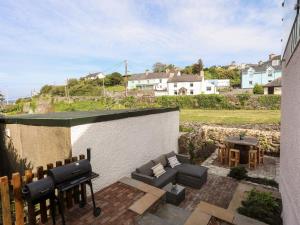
125,76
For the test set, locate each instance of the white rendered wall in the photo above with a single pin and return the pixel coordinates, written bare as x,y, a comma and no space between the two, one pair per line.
120,146
290,141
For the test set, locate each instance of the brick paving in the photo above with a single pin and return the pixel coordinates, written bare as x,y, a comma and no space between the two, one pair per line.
218,191
114,201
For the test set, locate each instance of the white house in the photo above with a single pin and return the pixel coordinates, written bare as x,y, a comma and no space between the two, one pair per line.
93,76
147,80
183,84
172,83
220,83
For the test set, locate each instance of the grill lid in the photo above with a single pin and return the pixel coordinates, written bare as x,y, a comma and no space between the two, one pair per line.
70,171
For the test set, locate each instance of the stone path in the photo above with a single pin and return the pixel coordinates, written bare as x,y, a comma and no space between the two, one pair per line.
270,168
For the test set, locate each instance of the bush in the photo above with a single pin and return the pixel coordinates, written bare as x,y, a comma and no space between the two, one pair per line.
263,181
262,206
238,173
258,89
269,101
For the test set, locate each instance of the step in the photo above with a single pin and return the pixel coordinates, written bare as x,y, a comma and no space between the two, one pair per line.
144,203
173,214
150,219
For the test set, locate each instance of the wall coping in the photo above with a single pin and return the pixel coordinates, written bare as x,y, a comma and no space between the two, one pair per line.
69,119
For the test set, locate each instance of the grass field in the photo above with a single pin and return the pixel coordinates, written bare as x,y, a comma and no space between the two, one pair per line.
230,116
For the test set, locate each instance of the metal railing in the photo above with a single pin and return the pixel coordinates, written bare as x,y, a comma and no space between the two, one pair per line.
293,39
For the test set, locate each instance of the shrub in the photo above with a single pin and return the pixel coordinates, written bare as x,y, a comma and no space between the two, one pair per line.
238,173
258,89
269,101
262,206
264,181
243,98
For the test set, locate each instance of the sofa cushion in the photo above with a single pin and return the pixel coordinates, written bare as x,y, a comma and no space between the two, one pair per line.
158,170
191,170
166,178
161,159
173,161
146,169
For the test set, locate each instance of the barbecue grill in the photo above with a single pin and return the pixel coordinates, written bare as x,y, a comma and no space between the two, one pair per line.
62,179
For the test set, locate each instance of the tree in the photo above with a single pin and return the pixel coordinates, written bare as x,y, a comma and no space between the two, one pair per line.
46,89
258,89
114,79
159,67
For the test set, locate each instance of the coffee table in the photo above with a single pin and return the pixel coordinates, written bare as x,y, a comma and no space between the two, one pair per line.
174,196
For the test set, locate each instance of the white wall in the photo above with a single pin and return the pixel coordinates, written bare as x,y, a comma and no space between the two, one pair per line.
158,84
196,87
290,141
120,146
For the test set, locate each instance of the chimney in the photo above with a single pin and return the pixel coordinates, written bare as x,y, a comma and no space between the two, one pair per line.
167,70
201,73
147,72
260,62
271,56
178,73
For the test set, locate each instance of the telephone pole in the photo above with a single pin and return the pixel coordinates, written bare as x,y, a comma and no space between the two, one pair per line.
125,76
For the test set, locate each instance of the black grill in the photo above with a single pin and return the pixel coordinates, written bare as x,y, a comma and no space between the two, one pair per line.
62,179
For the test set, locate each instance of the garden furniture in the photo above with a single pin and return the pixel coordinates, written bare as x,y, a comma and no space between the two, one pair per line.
185,173
234,157
252,159
174,195
243,144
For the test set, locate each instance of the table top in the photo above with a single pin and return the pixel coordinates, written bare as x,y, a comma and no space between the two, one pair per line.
250,141
176,191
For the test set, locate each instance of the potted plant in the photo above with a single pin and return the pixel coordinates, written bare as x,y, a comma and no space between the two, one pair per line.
242,135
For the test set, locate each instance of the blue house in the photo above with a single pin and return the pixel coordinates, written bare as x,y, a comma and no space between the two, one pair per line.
261,73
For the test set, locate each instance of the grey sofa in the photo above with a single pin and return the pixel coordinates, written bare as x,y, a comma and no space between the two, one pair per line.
185,174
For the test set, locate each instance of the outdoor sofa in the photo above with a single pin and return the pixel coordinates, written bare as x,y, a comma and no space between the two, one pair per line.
185,173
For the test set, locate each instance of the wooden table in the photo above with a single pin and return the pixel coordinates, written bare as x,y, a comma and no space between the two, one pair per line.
242,145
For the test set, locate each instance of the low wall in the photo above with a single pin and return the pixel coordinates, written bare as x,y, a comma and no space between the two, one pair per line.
270,140
120,146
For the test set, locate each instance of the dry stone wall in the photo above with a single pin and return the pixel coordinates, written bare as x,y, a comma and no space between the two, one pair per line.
268,139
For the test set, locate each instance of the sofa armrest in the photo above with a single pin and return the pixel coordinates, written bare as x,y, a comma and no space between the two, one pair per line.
183,158
143,178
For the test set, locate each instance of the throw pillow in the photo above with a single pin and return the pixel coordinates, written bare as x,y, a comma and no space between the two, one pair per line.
158,170
173,161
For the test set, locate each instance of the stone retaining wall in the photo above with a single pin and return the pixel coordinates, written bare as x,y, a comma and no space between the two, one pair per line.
269,140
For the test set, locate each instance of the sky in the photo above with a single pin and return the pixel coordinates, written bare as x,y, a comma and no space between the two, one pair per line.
46,42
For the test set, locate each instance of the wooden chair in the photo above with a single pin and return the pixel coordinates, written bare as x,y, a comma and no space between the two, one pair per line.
260,155
252,159
222,154
234,157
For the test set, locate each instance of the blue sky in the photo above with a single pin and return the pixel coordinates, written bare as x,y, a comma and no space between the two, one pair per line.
45,42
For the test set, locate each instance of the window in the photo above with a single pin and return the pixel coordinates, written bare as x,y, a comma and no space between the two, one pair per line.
160,80
175,85
175,92
191,85
191,92
250,82
148,81
208,88
269,81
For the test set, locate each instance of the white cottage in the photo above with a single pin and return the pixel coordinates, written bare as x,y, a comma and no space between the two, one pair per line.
183,84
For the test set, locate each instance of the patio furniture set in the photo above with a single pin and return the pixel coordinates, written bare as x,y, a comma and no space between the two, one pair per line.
183,173
237,150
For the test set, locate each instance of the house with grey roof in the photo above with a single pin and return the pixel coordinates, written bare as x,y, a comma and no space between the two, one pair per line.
273,88
171,83
261,73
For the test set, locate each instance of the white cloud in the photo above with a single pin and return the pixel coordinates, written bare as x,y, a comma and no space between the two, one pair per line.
49,35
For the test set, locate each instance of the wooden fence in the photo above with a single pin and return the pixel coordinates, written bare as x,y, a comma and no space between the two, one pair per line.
20,213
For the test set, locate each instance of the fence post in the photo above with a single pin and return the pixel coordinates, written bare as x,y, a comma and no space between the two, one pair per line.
69,192
43,206
31,209
82,186
5,200
19,205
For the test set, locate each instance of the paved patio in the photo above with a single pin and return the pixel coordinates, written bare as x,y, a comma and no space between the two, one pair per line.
114,202
218,191
270,168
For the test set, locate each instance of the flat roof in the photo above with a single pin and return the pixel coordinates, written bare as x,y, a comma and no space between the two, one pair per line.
69,119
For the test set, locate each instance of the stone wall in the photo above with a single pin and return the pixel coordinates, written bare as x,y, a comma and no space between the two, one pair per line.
269,139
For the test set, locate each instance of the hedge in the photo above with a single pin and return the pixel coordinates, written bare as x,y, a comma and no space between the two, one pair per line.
240,101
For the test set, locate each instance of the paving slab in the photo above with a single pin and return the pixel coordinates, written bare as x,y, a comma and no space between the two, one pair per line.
216,211
198,218
244,220
144,203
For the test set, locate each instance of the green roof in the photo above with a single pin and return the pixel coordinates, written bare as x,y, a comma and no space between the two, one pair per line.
69,119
